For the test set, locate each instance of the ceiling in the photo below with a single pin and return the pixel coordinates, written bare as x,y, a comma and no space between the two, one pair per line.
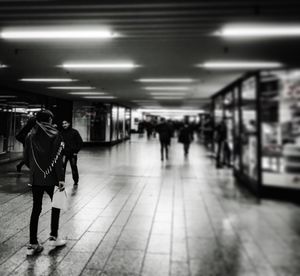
165,38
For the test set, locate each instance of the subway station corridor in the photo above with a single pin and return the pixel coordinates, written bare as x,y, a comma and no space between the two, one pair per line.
135,215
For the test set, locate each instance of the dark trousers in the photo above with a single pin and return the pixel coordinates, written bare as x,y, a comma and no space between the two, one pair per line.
223,154
164,147
21,164
73,164
186,147
37,193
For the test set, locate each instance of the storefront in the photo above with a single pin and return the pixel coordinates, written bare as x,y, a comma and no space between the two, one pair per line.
262,115
15,110
205,128
101,123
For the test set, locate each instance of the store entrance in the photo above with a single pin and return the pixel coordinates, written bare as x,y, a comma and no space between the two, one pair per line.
12,120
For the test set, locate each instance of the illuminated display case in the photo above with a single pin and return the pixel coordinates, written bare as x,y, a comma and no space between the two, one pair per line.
262,115
127,123
248,130
114,123
100,122
280,120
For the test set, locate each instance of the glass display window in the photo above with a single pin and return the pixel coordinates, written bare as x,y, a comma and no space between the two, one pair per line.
98,121
228,104
236,132
92,120
114,123
280,135
12,119
127,122
121,123
218,108
218,117
248,134
82,113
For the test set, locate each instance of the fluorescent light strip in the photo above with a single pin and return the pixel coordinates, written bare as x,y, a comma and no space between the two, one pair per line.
147,103
259,31
167,88
99,97
7,96
55,34
167,93
167,98
71,87
142,101
171,80
239,65
46,80
86,93
128,65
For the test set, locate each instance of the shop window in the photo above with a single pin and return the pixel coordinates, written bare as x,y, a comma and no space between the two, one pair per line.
280,109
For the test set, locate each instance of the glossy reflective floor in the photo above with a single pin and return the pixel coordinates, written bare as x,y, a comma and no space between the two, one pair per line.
135,215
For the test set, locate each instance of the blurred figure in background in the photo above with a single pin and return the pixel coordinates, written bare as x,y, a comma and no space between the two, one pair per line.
149,129
208,132
164,133
222,145
185,137
141,128
172,128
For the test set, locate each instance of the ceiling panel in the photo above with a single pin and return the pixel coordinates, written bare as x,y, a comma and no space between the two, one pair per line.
165,38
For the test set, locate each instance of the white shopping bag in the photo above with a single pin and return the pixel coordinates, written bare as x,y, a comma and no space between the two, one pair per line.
60,199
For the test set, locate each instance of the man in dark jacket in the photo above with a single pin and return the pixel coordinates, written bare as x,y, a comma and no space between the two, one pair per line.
164,132
42,155
185,137
73,144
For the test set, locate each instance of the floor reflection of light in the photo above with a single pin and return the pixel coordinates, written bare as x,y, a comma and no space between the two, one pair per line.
227,224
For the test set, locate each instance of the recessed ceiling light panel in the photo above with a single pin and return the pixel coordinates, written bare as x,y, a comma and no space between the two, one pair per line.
166,80
99,97
166,88
7,96
47,79
167,93
45,34
87,93
239,65
243,30
101,66
167,98
71,87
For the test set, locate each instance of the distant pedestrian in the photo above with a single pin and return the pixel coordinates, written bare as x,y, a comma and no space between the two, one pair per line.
149,129
185,137
164,132
223,151
73,143
42,154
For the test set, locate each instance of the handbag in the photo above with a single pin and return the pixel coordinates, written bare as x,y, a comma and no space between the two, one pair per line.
60,199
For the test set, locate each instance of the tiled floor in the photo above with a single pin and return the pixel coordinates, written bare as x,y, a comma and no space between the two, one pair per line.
134,215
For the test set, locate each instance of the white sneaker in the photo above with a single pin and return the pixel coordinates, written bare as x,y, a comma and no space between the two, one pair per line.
55,242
